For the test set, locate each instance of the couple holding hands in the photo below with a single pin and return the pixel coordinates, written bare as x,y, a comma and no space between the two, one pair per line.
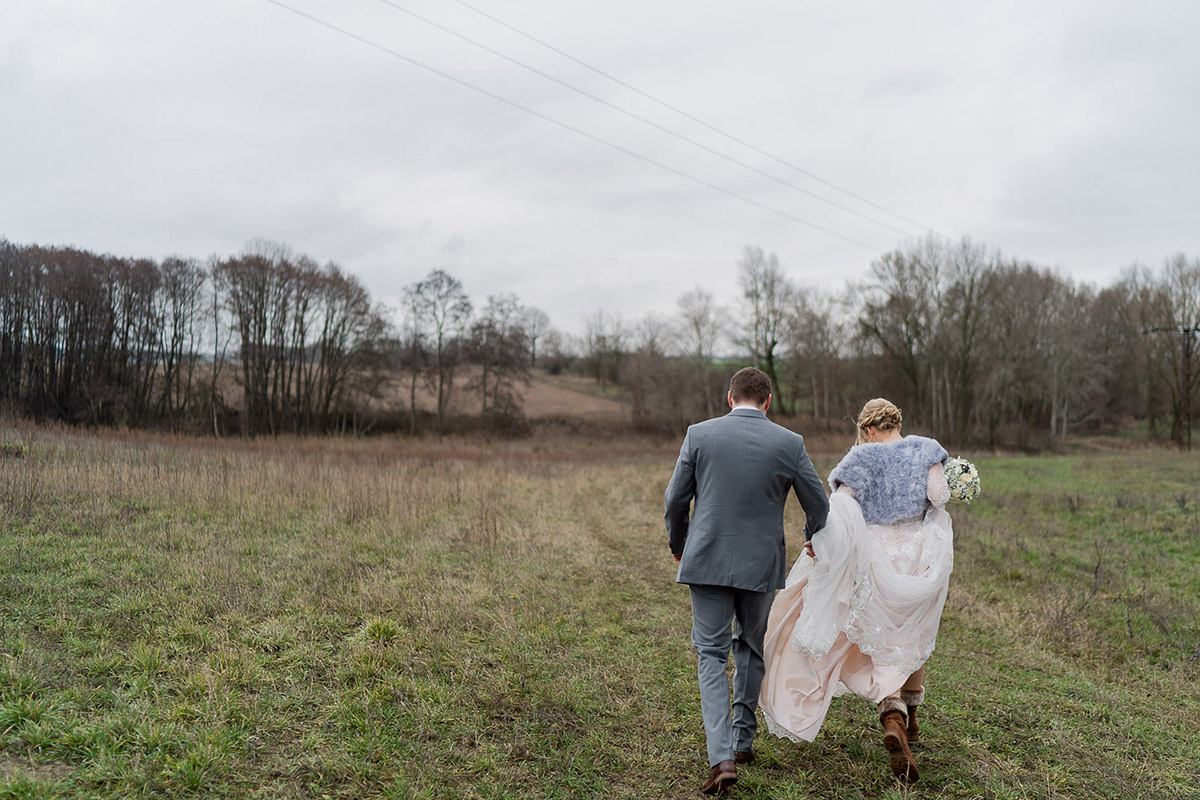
858,612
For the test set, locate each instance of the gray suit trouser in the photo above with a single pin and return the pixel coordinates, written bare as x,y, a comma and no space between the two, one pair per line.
724,618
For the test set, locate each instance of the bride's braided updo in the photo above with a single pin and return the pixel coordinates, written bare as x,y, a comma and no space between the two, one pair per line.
877,413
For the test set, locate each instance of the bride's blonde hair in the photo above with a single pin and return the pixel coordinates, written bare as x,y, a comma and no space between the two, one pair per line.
877,413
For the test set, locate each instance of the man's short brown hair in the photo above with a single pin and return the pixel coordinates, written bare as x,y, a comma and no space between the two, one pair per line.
750,385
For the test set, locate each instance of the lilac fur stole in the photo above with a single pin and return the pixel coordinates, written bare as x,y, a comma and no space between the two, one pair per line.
889,478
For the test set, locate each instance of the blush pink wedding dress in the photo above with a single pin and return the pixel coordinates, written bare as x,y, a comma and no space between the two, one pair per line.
860,618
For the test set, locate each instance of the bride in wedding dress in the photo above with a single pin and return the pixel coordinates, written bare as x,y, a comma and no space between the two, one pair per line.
862,604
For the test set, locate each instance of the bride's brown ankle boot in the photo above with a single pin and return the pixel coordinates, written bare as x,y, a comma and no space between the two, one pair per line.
913,731
894,717
911,700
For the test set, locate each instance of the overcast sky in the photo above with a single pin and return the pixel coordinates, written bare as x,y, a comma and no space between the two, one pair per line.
1060,132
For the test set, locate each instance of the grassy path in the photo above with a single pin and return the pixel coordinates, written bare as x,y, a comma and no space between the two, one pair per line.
382,619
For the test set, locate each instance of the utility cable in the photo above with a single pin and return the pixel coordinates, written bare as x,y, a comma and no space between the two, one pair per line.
566,126
644,120
696,119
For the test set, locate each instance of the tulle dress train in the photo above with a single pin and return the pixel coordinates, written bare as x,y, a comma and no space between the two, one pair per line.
861,618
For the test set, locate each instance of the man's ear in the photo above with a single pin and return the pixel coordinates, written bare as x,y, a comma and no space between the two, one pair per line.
729,397
768,405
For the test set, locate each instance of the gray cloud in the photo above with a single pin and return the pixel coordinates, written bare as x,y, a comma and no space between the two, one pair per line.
1055,131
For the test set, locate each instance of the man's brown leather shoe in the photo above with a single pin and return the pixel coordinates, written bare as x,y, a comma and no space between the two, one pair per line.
743,756
720,778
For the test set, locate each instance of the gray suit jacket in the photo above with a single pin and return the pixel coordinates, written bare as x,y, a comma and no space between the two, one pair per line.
739,469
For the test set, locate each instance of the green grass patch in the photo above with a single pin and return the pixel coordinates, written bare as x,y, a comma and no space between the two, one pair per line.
420,620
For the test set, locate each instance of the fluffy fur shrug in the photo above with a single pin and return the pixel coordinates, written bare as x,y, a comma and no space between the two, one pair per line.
889,478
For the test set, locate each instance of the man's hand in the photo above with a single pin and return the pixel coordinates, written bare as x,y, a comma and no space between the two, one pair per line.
808,550
676,556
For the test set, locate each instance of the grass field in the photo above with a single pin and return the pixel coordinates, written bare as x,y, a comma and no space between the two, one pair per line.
425,619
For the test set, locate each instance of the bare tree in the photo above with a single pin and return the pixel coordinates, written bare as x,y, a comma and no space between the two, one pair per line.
1070,367
657,387
604,346
814,336
1173,314
416,311
536,323
1140,303
701,324
222,332
181,300
16,299
347,349
558,351
1008,394
448,313
958,314
247,286
1116,329
897,317
499,344
767,295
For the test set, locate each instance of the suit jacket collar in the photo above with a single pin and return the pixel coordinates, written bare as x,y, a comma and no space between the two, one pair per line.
746,412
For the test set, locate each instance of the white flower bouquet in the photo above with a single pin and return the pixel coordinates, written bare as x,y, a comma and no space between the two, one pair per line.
963,479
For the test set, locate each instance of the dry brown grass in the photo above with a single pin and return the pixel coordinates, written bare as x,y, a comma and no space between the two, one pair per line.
448,618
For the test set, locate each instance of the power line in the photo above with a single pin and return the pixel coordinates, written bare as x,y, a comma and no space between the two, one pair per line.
642,119
697,120
566,126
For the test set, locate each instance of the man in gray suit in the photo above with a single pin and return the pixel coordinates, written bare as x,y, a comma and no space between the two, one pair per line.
738,468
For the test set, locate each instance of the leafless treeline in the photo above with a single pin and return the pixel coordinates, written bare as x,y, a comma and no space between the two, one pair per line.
976,347
106,340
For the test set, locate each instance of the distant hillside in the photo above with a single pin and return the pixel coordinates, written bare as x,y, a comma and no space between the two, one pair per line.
570,396
546,396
